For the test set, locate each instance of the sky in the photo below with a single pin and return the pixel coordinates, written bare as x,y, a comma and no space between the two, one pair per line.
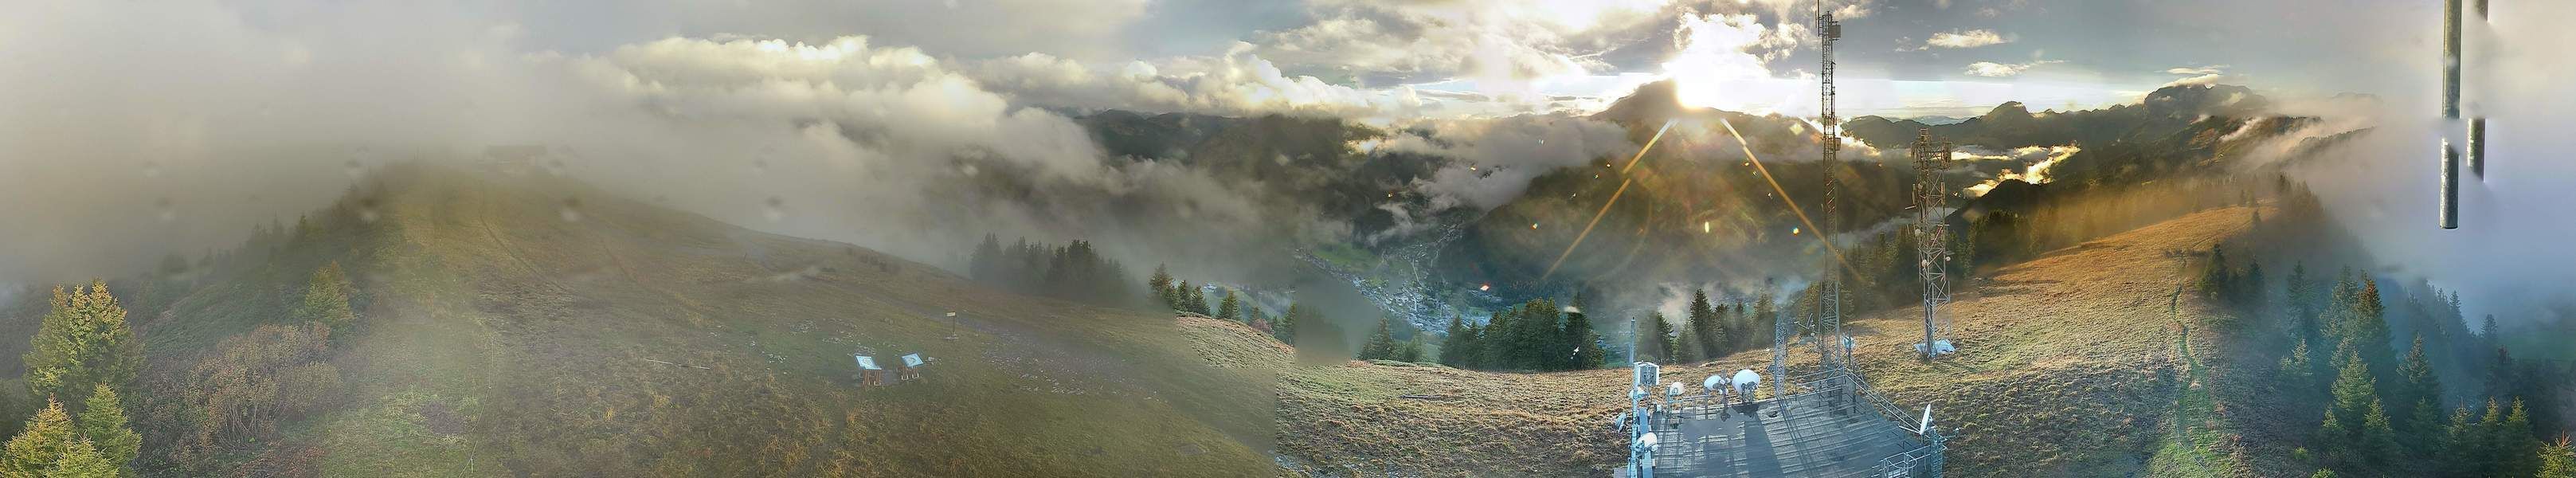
858,120
1899,57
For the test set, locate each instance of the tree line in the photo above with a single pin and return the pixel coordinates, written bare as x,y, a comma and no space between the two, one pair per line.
1074,271
1537,335
2380,413
82,353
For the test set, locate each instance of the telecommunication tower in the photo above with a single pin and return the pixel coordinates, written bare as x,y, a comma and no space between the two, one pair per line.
1932,240
1833,349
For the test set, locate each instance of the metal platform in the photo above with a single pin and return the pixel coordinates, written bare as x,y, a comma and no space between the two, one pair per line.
1813,436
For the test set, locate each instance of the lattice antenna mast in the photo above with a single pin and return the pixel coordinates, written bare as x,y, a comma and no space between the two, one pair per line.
1932,239
1832,350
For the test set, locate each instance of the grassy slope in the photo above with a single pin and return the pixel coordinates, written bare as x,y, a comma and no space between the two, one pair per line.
2071,365
503,339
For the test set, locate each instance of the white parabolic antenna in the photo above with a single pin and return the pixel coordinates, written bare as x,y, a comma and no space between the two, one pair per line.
1747,380
1713,382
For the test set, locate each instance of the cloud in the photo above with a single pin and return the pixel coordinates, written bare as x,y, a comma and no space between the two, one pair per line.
1494,43
1497,158
1998,70
205,126
1237,83
2197,70
1964,39
1723,60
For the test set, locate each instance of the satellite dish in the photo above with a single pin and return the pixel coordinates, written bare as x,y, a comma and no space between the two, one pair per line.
1746,381
1675,389
1713,382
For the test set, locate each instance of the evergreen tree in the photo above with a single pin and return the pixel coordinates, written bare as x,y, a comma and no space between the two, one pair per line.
2377,443
1410,350
2558,460
2500,375
2421,392
2346,420
84,460
2214,280
1160,283
82,343
1454,348
986,263
1686,343
1381,344
1587,351
1494,340
2296,373
2250,286
326,299
2516,447
2299,294
102,421
1661,338
1197,296
1286,329
2370,326
34,451
1230,309
1534,335
1704,326
2467,444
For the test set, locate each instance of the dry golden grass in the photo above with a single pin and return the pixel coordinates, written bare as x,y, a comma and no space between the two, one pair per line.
2069,365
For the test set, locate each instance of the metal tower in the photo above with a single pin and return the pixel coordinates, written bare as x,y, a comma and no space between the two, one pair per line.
1833,349
1932,239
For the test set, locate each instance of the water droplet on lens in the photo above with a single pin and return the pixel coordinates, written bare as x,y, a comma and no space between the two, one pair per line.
777,209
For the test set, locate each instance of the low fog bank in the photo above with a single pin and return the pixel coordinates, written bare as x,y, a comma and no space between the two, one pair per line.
137,133
2510,256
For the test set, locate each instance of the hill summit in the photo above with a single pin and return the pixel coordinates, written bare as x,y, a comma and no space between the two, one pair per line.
525,325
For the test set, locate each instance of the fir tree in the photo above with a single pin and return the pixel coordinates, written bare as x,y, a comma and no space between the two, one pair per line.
1230,308
326,299
2377,442
82,343
1661,339
1587,351
2346,420
2421,392
1286,329
2296,373
102,421
2500,375
33,453
1686,343
1455,349
1160,284
1181,296
1198,300
2558,460
84,460
2516,446
1381,344
1704,327
2466,441
986,262
1410,350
